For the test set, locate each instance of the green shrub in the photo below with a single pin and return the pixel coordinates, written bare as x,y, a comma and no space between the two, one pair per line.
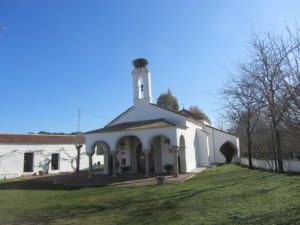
168,168
229,150
125,169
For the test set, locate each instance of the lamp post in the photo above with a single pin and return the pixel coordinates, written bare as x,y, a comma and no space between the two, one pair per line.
273,144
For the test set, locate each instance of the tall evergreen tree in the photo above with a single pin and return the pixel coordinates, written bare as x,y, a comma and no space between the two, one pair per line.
168,101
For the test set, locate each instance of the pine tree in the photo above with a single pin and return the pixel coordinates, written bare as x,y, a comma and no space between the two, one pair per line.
168,101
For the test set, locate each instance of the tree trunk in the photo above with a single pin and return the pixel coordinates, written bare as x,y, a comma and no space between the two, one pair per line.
78,147
249,149
278,150
78,160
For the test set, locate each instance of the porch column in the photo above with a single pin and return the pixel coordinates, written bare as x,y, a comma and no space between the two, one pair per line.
90,155
106,162
114,162
146,153
175,150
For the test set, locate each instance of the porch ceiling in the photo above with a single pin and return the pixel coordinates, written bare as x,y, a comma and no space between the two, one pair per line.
138,125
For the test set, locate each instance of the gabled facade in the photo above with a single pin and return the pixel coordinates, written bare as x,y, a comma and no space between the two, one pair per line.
146,137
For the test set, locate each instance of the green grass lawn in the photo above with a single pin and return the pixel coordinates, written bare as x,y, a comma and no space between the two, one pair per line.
224,195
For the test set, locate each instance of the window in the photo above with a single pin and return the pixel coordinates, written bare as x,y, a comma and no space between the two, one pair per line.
28,162
55,161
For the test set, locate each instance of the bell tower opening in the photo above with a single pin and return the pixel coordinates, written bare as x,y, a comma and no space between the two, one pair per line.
141,82
141,88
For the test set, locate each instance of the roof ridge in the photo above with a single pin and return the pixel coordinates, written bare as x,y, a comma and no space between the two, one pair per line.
137,125
40,134
127,110
138,121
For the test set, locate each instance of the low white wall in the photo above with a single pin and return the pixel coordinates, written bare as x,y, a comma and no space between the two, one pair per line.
166,156
216,139
12,158
289,165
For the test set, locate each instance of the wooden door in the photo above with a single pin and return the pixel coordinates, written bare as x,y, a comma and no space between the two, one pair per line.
28,162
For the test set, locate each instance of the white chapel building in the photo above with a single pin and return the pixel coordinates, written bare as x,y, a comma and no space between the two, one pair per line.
147,137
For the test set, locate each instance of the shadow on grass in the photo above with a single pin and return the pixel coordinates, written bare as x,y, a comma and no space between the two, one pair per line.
73,181
33,185
137,210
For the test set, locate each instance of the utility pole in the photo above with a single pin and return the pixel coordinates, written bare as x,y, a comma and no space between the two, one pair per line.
79,145
78,122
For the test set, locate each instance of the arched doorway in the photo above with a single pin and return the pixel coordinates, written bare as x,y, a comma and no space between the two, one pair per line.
129,150
229,150
141,163
100,158
160,155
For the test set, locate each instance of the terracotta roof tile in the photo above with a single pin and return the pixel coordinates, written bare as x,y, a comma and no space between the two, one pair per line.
41,139
138,125
189,114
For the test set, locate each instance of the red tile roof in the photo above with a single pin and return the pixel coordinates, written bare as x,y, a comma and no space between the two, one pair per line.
41,139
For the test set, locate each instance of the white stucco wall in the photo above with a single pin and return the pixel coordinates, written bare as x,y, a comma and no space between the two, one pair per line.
203,148
98,159
144,111
12,158
216,139
191,145
166,155
289,165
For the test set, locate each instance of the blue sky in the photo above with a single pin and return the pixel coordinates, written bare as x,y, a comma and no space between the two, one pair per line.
60,55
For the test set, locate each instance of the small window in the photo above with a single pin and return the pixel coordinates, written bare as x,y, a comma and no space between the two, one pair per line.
55,161
28,162
123,161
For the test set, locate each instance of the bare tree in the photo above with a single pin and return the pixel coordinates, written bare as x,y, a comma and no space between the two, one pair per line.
292,80
240,107
268,71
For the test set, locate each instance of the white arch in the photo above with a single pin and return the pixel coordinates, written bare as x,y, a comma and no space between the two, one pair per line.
172,140
182,141
119,137
98,142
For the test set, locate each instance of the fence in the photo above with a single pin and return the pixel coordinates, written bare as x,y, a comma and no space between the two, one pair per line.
290,165
270,156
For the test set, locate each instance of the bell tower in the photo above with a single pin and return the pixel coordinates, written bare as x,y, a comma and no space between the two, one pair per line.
141,78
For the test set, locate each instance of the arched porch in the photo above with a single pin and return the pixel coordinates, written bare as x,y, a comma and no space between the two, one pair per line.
139,152
127,152
99,157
